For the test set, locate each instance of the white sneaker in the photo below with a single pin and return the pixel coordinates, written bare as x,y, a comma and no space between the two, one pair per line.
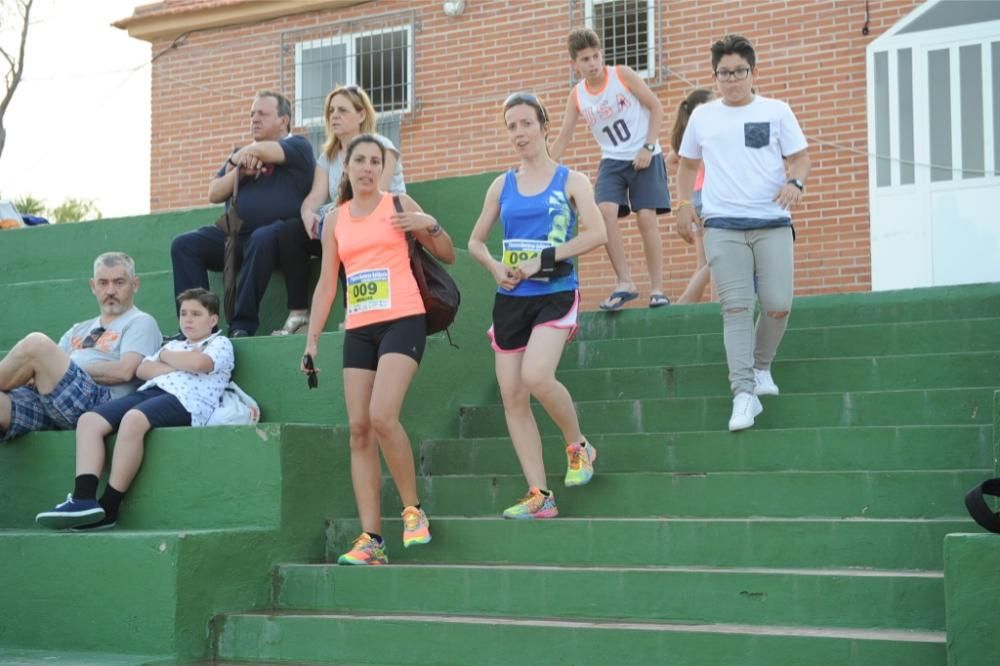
746,407
764,383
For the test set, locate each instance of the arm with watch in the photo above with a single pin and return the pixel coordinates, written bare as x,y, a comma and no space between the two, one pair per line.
424,228
651,102
791,192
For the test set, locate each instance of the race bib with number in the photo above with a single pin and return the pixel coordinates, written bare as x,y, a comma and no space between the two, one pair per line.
516,250
368,290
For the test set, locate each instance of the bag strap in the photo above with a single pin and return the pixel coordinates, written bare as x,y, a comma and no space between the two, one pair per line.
978,508
415,264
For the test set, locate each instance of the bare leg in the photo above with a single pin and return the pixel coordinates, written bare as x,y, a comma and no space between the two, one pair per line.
392,379
36,357
129,450
520,421
538,373
695,289
616,248
91,430
4,411
652,247
366,471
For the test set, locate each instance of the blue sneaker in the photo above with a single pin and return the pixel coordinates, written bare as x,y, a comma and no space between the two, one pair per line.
105,523
71,513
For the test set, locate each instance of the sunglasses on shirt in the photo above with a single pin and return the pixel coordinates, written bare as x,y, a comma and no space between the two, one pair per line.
92,338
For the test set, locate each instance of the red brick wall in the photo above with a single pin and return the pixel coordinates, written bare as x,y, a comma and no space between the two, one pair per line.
810,54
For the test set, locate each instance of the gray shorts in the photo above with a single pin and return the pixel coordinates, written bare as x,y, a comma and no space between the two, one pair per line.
618,182
75,394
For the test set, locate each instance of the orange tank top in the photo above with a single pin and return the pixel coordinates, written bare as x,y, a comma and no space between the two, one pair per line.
380,284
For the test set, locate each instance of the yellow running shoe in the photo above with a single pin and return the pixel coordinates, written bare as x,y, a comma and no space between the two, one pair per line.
416,527
580,463
533,505
365,550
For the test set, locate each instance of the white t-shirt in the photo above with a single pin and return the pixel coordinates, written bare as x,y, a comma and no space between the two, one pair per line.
335,169
199,393
743,149
132,331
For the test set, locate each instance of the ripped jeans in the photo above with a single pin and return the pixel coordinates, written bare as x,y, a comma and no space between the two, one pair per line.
735,258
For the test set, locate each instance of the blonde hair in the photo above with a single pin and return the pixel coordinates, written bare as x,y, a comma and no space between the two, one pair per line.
361,102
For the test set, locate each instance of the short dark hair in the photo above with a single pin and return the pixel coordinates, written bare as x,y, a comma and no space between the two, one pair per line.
284,106
207,299
585,38
730,44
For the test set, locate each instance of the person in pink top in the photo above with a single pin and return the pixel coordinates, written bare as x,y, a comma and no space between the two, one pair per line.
702,276
384,337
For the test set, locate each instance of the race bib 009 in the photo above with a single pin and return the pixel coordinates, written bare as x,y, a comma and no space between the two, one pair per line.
516,250
368,290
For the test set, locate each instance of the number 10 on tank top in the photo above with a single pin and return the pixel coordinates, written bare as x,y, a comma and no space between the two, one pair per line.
368,290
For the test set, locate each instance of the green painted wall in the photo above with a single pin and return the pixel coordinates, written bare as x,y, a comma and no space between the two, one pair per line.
972,597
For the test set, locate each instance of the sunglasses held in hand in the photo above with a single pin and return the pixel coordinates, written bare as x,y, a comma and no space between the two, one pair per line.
312,377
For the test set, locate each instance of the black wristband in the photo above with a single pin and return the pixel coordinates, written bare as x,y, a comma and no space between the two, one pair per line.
548,257
231,162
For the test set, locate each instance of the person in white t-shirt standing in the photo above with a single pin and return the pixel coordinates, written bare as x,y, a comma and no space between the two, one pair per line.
755,163
624,116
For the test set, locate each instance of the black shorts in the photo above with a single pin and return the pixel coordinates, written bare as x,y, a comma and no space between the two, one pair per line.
365,345
515,317
161,409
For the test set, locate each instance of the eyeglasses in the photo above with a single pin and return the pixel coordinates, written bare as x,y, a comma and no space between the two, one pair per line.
525,98
312,378
738,74
92,337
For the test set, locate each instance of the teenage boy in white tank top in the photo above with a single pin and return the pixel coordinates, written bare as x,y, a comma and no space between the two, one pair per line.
625,117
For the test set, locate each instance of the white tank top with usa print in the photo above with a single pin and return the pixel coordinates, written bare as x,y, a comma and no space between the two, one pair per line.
620,123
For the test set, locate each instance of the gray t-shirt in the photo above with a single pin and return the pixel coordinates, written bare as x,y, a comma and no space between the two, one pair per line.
132,331
334,170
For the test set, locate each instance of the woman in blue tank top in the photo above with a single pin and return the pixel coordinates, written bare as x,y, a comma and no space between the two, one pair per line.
537,299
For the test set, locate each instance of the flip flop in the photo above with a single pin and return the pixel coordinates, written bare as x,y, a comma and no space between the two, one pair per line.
618,299
658,300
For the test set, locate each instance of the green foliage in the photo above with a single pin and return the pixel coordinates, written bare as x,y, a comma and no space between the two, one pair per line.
74,210
30,205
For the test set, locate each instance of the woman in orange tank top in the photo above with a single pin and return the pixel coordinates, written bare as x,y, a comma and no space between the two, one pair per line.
384,337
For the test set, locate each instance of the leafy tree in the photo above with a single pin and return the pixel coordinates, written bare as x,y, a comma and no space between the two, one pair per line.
74,210
29,205
13,21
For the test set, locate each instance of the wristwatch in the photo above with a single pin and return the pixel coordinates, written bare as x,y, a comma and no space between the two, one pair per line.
651,147
434,230
797,183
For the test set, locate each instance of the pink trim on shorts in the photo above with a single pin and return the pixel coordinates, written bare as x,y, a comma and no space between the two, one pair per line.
569,321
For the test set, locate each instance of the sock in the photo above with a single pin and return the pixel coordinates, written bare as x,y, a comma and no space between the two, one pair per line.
377,537
111,500
86,487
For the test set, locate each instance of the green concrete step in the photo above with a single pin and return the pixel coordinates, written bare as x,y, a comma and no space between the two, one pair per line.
792,597
840,341
809,410
463,640
147,592
835,375
894,494
815,449
191,478
924,304
53,658
866,543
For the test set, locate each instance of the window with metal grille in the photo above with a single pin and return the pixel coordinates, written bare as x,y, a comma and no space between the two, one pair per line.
380,61
627,29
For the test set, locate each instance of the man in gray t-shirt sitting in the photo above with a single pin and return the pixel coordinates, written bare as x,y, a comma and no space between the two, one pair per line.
47,386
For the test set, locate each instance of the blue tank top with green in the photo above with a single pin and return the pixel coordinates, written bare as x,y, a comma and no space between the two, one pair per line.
532,223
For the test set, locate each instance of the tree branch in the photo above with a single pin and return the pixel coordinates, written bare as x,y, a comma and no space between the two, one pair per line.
17,69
